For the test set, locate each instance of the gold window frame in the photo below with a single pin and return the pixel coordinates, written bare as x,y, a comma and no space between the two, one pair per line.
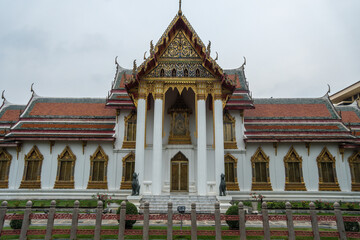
129,143
326,157
179,108
33,155
354,159
260,156
227,118
232,186
6,158
128,158
293,186
66,156
93,158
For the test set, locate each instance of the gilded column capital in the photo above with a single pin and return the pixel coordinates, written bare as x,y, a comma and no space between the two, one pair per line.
158,90
201,91
142,90
217,91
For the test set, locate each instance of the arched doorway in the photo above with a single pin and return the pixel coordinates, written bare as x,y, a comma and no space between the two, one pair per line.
179,173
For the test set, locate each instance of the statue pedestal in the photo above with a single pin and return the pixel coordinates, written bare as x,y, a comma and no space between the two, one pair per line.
135,200
224,203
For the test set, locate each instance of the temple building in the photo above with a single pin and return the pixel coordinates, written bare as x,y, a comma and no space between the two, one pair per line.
180,121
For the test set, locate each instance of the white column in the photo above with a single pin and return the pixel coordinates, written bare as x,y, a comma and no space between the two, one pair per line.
219,142
157,143
201,148
140,141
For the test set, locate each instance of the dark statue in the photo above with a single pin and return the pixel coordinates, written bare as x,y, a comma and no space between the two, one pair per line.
135,185
222,186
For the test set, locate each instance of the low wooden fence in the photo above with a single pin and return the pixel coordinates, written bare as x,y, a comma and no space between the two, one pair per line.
168,218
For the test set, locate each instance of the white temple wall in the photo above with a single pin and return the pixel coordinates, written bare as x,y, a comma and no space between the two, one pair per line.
346,170
14,166
148,169
120,128
309,165
239,129
211,181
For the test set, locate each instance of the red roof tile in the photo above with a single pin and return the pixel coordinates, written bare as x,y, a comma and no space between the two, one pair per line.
350,117
288,110
65,126
232,77
72,109
10,115
304,127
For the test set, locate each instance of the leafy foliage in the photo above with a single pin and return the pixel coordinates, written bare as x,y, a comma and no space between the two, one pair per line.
233,210
351,226
17,223
131,209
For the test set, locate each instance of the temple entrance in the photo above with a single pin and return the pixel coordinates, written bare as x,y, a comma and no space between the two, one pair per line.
179,173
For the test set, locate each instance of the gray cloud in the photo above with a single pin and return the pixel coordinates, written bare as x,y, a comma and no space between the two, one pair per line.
293,48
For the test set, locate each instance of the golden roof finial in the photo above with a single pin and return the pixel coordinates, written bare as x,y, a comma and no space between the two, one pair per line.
180,12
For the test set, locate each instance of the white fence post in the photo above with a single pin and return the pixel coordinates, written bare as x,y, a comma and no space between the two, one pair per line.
25,223
314,221
266,224
50,222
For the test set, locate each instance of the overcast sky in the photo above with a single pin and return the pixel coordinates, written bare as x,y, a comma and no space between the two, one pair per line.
67,48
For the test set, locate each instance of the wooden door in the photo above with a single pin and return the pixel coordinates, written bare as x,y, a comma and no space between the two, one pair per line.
179,173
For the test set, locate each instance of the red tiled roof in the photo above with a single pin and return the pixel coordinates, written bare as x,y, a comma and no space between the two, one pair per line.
71,109
304,127
122,82
232,77
10,115
350,117
288,110
64,126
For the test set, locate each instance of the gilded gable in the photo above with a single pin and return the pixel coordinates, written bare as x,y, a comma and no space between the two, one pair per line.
180,47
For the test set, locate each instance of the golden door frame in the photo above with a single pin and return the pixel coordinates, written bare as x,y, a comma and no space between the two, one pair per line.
179,158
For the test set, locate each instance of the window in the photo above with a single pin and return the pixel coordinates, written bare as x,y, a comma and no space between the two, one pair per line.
260,171
327,172
294,180
231,173
128,170
354,163
32,169
197,73
65,170
98,170
229,132
162,73
173,73
130,131
5,161
186,73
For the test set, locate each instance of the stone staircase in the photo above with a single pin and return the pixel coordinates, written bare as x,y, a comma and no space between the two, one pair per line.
159,204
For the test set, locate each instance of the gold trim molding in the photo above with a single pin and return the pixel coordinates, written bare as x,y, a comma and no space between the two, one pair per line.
293,157
354,161
232,186
66,156
33,155
99,155
128,158
5,157
260,156
326,157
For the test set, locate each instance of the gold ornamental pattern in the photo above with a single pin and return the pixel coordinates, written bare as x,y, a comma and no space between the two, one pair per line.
192,69
180,47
